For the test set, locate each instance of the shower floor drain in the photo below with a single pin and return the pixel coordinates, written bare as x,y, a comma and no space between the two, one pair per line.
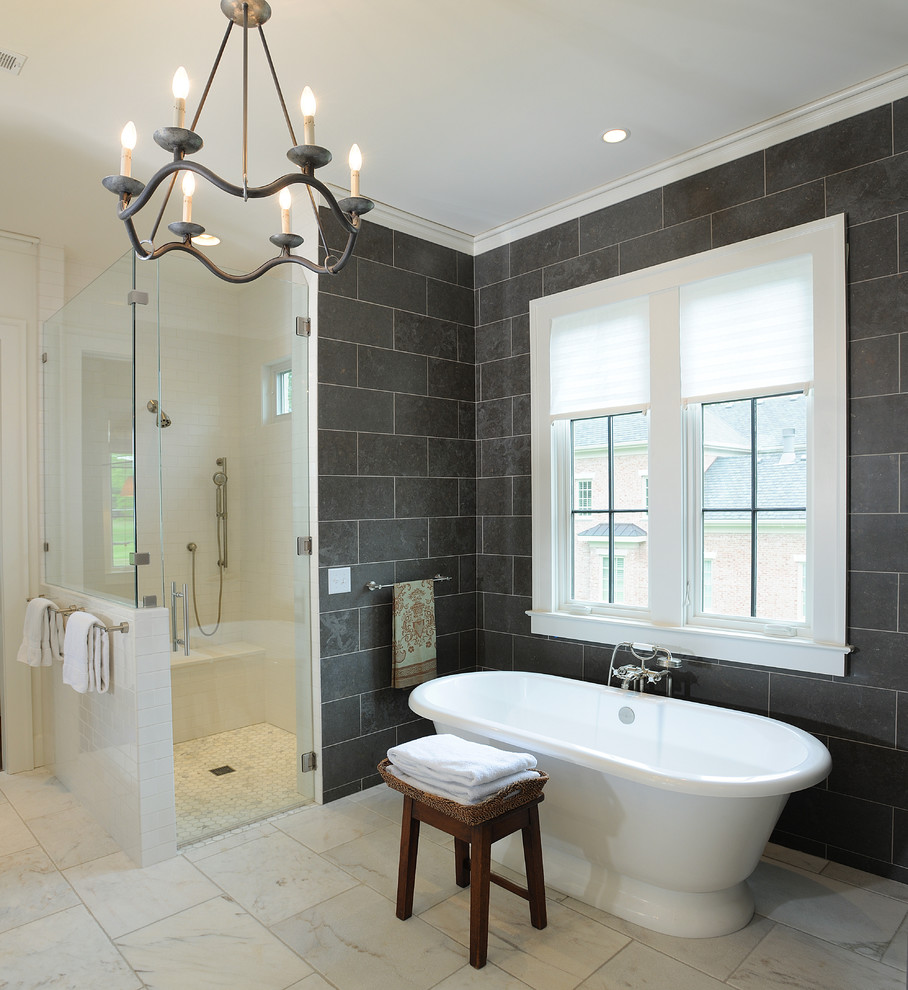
220,771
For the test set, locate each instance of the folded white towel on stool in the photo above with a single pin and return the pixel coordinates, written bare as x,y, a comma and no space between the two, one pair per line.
457,762
462,795
86,660
42,634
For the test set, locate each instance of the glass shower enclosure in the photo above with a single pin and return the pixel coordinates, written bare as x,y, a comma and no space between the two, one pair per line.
176,447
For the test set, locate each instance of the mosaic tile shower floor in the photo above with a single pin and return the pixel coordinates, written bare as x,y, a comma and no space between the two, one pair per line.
263,782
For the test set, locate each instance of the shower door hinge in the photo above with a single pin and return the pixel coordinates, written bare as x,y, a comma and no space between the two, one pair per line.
138,559
137,296
303,326
304,545
308,762
44,358
46,547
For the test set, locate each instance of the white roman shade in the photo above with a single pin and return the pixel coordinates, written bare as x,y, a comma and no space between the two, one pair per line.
748,332
600,360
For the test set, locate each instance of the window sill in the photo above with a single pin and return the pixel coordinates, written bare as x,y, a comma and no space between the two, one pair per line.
796,654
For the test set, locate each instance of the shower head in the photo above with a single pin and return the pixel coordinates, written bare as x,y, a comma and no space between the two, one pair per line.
161,418
219,478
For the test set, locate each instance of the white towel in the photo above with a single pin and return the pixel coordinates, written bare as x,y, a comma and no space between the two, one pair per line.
86,661
42,634
457,762
463,795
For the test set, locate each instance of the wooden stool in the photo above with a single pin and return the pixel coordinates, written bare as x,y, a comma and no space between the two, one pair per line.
475,828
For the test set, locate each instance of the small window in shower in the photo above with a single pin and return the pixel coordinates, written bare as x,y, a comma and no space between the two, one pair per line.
277,397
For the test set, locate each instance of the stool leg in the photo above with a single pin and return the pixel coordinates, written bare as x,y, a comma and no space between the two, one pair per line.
462,862
409,846
532,855
480,868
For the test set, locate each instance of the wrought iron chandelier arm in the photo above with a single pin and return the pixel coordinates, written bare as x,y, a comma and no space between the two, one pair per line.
281,259
253,192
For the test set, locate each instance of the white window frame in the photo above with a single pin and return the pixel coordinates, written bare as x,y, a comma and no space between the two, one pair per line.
271,373
818,646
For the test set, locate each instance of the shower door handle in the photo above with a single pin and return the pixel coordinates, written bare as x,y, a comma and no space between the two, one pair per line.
174,595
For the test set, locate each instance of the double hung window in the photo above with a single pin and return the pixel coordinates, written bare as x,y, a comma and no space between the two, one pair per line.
689,454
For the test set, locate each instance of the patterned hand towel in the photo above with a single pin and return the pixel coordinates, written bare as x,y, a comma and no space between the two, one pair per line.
413,650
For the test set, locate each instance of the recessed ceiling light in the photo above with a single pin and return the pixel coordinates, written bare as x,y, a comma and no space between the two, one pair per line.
206,240
615,135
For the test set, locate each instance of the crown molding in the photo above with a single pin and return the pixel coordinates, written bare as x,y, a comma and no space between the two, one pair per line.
409,223
810,117
829,110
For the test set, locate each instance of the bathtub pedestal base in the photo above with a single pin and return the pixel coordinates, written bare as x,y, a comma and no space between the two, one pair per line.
682,913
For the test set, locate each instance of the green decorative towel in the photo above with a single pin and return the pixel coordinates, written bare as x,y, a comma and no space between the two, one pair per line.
413,651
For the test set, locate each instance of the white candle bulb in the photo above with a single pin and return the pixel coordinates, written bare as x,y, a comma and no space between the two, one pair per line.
356,163
307,105
127,143
285,200
188,190
180,92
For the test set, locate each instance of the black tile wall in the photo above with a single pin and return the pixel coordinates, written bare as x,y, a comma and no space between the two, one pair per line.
397,476
399,491
859,167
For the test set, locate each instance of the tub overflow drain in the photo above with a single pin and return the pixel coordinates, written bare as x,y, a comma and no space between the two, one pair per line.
626,715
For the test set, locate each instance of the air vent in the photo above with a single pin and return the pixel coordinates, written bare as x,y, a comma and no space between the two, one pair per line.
11,61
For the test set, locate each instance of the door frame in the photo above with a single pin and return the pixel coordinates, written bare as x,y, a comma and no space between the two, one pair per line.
16,720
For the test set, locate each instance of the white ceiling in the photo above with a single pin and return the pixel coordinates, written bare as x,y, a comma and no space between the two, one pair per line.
470,115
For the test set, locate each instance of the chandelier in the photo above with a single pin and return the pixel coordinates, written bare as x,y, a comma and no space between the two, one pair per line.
182,141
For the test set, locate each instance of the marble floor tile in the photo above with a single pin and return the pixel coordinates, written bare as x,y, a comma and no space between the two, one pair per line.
216,946
313,982
384,800
794,857
373,859
31,887
490,977
14,833
381,799
571,943
355,941
638,967
866,881
323,827
860,920
238,837
35,793
717,957
72,837
64,951
123,897
787,958
275,876
897,953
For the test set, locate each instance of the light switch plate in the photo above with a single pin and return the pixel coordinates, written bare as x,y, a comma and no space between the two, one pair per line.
338,580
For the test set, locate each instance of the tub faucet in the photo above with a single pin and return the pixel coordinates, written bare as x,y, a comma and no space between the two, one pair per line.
639,674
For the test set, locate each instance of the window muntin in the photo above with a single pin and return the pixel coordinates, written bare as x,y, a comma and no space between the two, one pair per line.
753,518
609,518
680,581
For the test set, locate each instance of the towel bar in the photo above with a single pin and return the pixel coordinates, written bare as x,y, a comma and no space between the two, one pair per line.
123,627
372,586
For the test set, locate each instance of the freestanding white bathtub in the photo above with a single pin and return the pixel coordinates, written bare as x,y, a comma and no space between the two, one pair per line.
657,810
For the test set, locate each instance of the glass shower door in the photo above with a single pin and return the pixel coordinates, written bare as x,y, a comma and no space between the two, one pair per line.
232,429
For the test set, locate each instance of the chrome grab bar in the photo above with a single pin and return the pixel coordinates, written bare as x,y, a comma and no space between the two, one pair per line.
174,595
